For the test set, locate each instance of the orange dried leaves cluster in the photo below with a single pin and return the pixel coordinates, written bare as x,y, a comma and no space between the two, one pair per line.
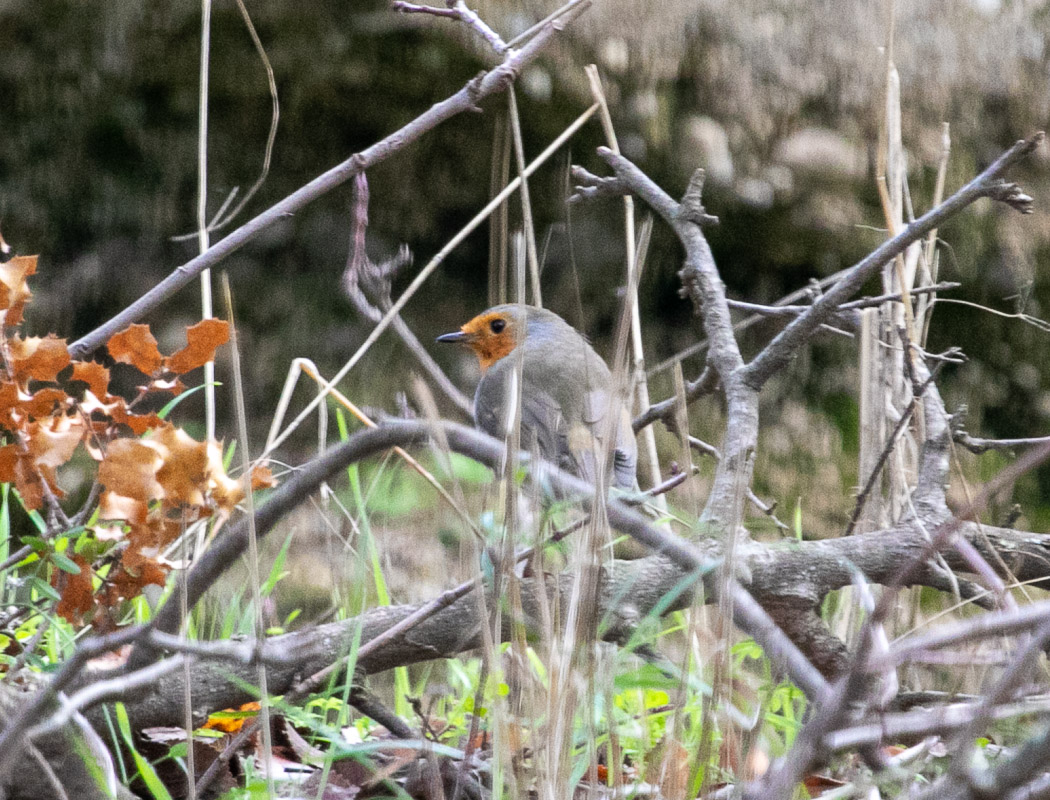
152,486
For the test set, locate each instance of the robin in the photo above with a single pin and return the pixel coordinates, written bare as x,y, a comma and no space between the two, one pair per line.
566,390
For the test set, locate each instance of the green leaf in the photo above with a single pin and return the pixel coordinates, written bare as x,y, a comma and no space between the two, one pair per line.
72,533
467,470
647,676
45,588
38,521
5,521
88,546
65,563
227,457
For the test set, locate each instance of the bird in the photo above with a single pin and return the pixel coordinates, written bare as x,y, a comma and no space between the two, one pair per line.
566,390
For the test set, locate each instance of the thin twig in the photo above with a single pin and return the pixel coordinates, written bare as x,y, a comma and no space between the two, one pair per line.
362,273
976,445
253,539
526,203
202,225
221,218
458,11
876,471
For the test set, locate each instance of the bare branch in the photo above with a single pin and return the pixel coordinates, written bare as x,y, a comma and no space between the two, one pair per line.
1013,196
591,187
101,691
466,99
840,321
841,316
486,449
702,283
997,623
30,712
692,207
891,442
458,11
978,446
872,302
793,575
783,348
664,410
923,722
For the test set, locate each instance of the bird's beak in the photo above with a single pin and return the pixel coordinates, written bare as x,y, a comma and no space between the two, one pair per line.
459,337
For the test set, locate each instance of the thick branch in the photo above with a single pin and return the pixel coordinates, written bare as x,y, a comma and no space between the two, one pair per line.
931,483
790,580
702,283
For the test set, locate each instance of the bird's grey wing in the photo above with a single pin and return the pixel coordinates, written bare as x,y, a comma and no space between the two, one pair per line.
542,423
625,456
625,451
541,419
488,404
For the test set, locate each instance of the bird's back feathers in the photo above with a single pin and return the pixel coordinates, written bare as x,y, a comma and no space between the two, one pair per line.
566,396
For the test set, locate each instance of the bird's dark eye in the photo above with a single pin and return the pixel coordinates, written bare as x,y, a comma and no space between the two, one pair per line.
497,325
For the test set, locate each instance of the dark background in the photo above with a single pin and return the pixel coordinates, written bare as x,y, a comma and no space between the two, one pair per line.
98,127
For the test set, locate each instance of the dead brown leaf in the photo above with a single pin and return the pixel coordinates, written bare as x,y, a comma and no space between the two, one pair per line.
38,358
202,339
77,596
130,469
136,346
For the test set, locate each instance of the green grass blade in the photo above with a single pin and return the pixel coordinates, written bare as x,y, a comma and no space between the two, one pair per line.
145,769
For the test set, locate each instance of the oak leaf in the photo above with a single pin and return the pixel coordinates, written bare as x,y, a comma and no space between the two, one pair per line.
8,462
94,375
118,510
14,290
202,339
134,572
38,358
136,346
262,477
185,468
50,443
130,469
45,402
10,400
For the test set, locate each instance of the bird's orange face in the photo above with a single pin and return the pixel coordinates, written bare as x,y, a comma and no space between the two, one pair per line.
491,335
